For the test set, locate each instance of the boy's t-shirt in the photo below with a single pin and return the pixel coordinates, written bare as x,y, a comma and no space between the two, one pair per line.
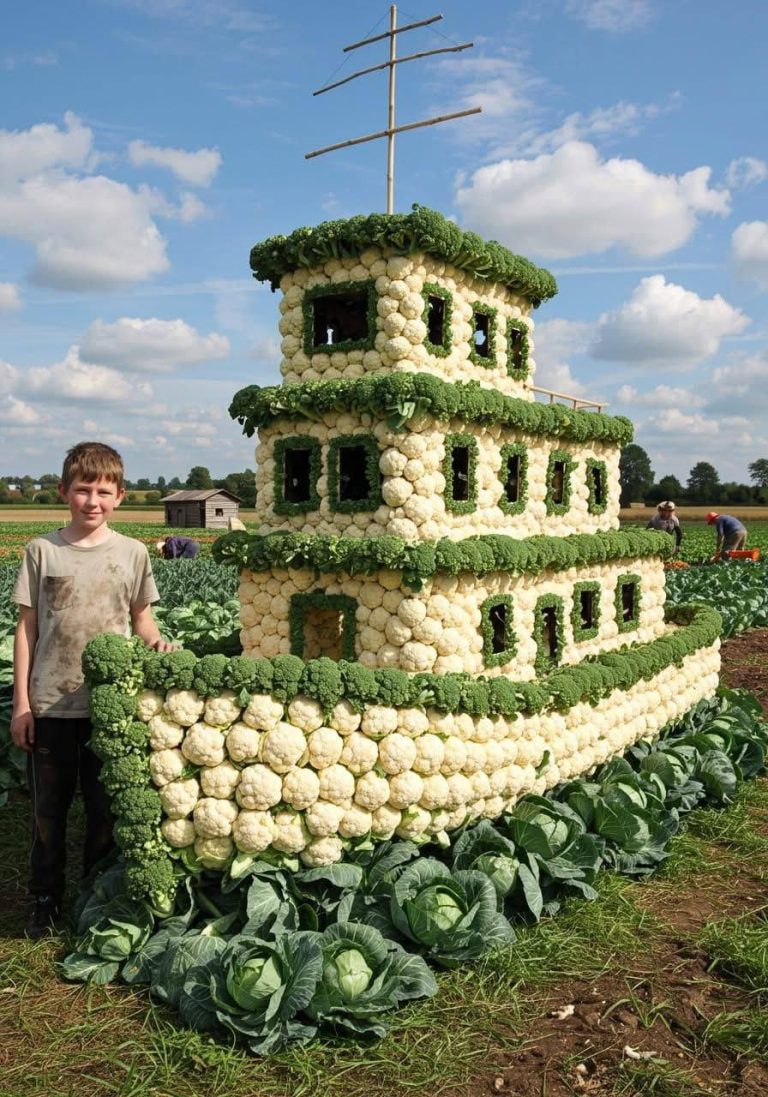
78,593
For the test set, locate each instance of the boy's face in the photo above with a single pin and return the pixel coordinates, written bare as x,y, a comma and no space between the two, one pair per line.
91,502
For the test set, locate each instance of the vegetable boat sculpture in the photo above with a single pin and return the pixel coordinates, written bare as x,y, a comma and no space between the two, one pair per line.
439,611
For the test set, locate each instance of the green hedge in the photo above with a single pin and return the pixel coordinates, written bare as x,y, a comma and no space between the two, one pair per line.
421,560
402,396
422,230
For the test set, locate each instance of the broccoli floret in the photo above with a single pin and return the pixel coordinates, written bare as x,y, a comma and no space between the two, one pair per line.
137,805
321,680
172,670
446,690
153,879
111,708
394,686
360,684
475,696
209,675
130,771
112,658
241,673
108,743
136,837
286,675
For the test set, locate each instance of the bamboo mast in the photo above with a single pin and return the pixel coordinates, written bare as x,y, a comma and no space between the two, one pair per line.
392,128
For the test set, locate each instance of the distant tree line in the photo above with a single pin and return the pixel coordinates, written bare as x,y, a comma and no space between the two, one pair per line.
703,487
42,490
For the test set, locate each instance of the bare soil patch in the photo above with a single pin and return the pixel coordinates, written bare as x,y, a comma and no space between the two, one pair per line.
745,663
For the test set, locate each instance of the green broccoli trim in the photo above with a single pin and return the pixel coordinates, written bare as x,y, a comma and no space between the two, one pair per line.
297,618
328,680
632,622
555,457
334,289
514,449
545,661
398,397
423,230
518,350
373,499
420,560
432,289
460,506
493,658
579,631
600,469
281,447
488,361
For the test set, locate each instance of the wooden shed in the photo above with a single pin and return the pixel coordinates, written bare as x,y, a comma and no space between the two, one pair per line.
209,509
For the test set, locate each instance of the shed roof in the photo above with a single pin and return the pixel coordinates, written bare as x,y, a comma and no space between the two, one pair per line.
198,496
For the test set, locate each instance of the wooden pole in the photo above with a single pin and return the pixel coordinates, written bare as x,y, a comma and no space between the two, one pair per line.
398,61
386,34
391,119
398,129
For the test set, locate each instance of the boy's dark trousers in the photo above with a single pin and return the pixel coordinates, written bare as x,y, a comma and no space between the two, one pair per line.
59,757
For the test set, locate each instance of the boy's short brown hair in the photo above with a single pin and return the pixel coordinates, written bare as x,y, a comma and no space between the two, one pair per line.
91,461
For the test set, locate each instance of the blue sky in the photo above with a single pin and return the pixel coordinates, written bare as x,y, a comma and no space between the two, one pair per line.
145,145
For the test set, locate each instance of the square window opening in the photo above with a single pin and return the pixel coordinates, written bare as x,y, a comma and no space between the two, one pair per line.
512,480
628,602
323,633
598,486
296,475
219,512
515,347
340,318
558,482
354,483
498,618
587,609
460,473
481,335
436,320
549,637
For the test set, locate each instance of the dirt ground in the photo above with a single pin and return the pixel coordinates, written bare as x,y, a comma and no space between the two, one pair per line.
655,1012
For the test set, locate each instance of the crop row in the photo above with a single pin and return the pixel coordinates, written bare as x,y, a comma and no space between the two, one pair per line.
699,540
15,535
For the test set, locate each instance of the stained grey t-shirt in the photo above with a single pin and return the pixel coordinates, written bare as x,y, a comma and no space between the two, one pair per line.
78,593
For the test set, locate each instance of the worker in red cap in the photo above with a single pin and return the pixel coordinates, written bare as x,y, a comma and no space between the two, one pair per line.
731,534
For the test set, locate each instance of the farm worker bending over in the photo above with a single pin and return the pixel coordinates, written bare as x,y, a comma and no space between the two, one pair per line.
731,534
74,583
666,520
175,548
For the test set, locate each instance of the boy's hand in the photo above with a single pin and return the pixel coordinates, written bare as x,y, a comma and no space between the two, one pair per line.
165,646
23,731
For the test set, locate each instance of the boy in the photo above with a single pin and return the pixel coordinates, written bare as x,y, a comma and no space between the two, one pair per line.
74,583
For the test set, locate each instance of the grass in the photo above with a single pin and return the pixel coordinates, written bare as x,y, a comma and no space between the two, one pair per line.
742,1032
62,1040
738,947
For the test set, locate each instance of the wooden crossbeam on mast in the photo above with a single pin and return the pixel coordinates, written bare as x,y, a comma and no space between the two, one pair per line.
392,129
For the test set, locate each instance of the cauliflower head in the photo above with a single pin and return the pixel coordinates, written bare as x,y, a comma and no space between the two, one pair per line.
324,746
148,704
214,853
214,818
203,745
220,781
322,818
166,765
178,798
178,832
164,734
223,710
283,747
253,831
263,712
185,706
243,743
322,851
260,788
301,787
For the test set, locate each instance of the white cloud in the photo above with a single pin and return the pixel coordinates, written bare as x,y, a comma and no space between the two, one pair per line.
600,124
88,231
41,59
573,203
9,297
162,346
664,322
619,16
674,421
555,341
749,251
75,381
746,171
16,413
200,14
662,396
197,169
26,153
9,377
